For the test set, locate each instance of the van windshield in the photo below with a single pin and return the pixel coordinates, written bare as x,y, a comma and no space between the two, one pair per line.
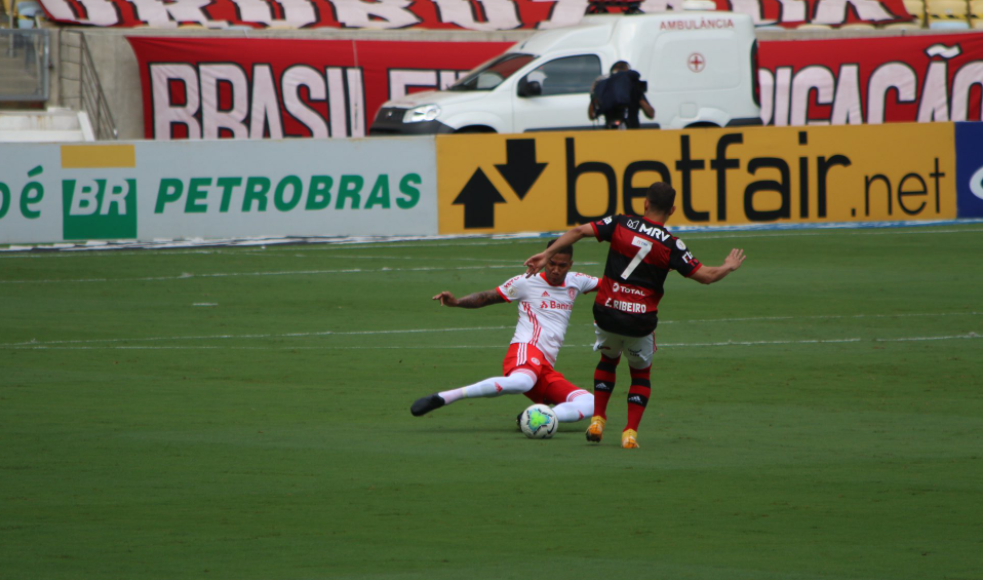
491,74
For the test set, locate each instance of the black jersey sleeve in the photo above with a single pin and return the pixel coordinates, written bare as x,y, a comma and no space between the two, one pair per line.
681,259
604,228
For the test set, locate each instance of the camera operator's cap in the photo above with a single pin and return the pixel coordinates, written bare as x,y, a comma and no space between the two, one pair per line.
699,5
621,65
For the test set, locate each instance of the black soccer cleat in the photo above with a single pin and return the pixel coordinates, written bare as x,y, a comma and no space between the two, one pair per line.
424,405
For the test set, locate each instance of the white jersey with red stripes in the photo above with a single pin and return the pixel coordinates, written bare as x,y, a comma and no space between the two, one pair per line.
544,309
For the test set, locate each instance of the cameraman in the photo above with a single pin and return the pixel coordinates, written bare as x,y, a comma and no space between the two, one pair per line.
618,98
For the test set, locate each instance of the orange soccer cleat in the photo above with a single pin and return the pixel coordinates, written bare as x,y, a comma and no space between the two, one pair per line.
596,429
629,439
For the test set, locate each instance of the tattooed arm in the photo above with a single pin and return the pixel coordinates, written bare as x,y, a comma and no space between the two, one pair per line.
476,300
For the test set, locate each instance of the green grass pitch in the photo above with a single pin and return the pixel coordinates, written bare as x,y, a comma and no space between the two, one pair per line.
244,414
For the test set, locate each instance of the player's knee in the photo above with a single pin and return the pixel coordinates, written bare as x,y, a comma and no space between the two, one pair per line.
608,353
607,364
585,404
518,383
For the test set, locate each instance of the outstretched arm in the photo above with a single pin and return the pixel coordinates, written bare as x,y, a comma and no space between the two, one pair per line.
538,262
647,107
476,300
711,274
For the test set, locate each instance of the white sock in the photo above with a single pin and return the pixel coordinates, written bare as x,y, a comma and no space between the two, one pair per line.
493,387
575,410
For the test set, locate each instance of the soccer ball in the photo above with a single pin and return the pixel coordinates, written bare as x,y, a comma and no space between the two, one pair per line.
538,422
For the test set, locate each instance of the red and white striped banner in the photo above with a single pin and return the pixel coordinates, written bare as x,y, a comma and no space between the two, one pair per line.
482,15
265,88
255,88
872,80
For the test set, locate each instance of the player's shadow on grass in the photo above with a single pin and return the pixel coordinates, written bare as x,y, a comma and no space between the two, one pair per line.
486,429
456,429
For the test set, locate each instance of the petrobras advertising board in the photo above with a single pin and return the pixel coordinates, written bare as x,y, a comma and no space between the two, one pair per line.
217,189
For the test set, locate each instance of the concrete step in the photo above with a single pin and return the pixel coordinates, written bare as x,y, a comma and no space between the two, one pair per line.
54,125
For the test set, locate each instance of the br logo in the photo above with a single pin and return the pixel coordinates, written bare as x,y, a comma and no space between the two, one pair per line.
99,209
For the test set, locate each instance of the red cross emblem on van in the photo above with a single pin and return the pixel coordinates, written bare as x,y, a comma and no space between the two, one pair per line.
696,62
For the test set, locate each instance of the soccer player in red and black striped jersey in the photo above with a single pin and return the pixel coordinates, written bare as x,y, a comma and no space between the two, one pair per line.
626,308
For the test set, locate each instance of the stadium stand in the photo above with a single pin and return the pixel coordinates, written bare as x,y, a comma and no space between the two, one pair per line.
976,14
917,9
123,86
947,14
29,14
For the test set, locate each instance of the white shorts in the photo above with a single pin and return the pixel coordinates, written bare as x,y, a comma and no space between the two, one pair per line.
639,349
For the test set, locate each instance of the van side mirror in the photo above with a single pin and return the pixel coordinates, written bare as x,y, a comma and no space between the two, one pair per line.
530,88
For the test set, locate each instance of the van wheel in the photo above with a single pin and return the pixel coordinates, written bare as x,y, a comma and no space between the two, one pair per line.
703,125
475,129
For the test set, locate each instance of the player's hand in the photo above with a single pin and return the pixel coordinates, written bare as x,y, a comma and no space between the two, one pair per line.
734,259
535,264
446,299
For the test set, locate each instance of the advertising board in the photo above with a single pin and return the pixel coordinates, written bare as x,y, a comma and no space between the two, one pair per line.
217,189
479,184
762,175
969,169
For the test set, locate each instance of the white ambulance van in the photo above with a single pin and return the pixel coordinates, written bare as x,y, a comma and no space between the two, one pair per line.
700,67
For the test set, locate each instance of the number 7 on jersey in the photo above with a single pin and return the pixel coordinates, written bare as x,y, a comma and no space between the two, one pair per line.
644,247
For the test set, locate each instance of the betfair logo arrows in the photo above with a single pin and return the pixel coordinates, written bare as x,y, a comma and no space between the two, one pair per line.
520,169
479,197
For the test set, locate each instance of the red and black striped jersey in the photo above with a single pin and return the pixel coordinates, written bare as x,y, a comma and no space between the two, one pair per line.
641,255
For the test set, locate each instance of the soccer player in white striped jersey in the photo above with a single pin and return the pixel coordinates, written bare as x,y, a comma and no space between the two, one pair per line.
545,303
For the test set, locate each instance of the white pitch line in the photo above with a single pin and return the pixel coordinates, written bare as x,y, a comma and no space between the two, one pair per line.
254,336
819,317
825,232
458,241
323,333
409,258
320,333
188,275
925,338
971,335
968,335
216,347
